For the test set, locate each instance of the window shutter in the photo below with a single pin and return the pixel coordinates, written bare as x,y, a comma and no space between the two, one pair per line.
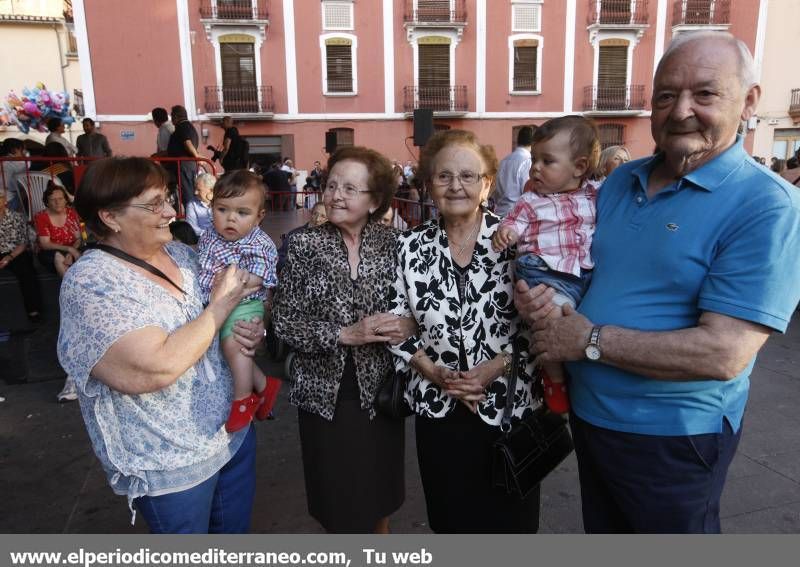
433,10
434,66
613,66
344,136
525,67
526,17
337,16
340,68
611,135
238,65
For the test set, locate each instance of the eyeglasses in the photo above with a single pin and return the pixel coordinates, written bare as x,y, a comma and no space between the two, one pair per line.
156,207
466,178
347,191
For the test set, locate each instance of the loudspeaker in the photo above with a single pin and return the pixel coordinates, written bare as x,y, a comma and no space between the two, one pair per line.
423,126
330,142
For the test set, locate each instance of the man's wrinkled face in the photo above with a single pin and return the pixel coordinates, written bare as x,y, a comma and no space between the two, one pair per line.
698,100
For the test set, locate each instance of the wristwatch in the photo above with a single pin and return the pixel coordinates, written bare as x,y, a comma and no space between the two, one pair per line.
592,350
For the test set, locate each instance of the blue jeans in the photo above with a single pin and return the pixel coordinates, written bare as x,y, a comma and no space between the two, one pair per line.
535,271
632,483
220,505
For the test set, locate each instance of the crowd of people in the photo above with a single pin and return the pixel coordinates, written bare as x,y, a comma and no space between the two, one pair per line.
639,290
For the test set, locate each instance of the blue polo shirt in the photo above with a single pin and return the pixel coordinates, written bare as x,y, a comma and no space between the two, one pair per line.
725,238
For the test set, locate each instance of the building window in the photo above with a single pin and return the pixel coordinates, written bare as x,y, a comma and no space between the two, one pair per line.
77,102
337,14
526,15
339,65
611,135
344,136
524,64
238,65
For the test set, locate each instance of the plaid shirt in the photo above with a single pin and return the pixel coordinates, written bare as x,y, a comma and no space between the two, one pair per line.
558,227
255,253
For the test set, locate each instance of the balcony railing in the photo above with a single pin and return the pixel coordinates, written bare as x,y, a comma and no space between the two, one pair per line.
234,9
340,85
617,12
239,100
794,104
701,12
608,99
435,12
438,99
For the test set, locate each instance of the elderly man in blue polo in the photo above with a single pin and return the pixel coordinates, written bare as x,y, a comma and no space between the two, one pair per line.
697,259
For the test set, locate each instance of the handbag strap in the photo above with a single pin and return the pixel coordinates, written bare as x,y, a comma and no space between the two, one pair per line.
505,422
136,261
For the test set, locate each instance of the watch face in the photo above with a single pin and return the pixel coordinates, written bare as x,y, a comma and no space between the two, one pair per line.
592,352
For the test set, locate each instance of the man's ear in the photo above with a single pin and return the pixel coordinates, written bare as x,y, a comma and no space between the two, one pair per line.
751,102
581,166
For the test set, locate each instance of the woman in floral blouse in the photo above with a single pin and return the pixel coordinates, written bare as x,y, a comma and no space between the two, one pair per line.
14,256
460,293
330,307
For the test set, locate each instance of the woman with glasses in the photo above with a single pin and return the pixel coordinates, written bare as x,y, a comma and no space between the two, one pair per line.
58,230
141,347
331,309
460,292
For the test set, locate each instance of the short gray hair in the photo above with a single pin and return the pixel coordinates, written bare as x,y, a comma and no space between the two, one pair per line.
206,179
747,67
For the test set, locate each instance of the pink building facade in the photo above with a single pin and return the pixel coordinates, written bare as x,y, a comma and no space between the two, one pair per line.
291,71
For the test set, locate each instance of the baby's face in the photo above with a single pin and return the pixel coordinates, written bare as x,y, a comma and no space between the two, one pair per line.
235,217
553,167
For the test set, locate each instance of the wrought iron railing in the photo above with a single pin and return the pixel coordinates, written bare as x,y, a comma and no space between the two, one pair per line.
794,104
701,12
239,100
604,98
439,99
617,12
234,9
340,85
435,12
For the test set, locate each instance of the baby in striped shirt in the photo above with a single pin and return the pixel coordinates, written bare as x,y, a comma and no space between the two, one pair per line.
553,225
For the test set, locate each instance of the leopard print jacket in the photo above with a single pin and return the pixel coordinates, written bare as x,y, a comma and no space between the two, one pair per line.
316,298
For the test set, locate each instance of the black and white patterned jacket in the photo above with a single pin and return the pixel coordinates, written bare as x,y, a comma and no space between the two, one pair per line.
316,297
486,322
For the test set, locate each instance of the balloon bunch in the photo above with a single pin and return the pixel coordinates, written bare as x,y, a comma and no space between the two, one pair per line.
34,108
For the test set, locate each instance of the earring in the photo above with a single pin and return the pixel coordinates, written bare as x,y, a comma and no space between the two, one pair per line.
116,230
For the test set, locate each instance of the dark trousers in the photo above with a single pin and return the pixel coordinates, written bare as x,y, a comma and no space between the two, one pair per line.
632,483
22,268
188,173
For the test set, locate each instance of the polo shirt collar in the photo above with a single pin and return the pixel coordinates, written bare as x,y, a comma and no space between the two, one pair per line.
708,176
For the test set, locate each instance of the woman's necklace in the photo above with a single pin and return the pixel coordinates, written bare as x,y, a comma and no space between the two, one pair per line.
463,246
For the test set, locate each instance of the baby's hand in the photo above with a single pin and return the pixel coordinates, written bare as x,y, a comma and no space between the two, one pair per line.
503,238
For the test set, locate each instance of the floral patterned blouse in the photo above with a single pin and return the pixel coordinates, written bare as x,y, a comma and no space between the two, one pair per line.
13,231
61,235
316,297
155,443
484,323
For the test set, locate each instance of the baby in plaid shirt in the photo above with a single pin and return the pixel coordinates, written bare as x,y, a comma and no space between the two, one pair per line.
553,225
237,210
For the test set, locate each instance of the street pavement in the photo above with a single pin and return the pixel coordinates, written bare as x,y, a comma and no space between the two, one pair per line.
51,482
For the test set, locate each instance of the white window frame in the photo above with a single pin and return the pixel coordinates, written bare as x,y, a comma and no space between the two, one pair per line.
632,39
515,3
324,58
540,44
258,40
342,2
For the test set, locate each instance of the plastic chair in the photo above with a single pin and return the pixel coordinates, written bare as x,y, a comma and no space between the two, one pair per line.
33,185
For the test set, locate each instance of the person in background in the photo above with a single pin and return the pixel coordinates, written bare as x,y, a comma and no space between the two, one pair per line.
330,308
60,167
59,231
277,183
198,211
92,143
233,154
183,144
792,173
513,173
141,347
610,159
165,130
12,147
56,135
290,202
15,256
318,217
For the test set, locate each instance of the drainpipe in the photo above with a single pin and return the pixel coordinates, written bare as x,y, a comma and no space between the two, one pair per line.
63,75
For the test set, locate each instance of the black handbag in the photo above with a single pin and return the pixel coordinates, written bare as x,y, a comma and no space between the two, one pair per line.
391,400
527,452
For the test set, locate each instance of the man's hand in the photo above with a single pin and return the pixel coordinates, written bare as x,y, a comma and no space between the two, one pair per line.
533,304
561,339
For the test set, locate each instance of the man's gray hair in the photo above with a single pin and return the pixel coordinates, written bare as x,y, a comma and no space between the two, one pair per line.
747,67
